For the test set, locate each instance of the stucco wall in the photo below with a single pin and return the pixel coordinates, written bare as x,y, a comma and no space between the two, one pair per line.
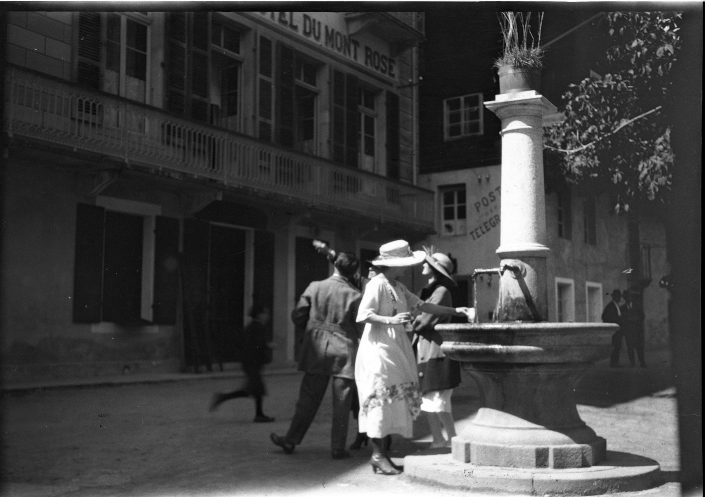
39,336
572,259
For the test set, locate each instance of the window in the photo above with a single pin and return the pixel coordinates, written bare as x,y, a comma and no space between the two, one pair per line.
122,67
367,129
346,120
225,73
203,61
589,221
565,300
593,302
565,225
453,210
462,116
305,94
288,91
126,261
126,54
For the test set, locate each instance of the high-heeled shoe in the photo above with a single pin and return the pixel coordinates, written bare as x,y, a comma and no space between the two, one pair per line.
382,465
360,440
395,466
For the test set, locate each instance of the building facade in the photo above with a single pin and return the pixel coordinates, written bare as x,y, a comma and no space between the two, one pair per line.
460,162
166,170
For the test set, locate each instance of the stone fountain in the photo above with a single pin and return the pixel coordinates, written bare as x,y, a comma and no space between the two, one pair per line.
528,437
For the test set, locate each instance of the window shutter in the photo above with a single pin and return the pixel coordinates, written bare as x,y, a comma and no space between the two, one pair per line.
338,106
285,96
392,135
176,28
352,120
88,266
264,90
89,49
166,278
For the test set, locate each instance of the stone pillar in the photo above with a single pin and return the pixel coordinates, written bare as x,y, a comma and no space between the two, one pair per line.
523,287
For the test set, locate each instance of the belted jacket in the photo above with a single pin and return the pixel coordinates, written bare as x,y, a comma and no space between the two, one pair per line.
326,311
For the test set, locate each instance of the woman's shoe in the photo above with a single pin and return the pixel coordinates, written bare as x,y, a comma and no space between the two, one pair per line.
360,440
380,464
395,466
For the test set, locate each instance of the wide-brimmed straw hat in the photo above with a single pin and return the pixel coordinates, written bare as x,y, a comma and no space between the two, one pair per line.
441,263
398,254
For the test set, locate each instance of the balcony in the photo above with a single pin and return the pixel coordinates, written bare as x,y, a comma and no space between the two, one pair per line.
57,113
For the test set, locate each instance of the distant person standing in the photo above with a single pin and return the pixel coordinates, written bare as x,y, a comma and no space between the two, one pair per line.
613,314
633,328
327,310
256,352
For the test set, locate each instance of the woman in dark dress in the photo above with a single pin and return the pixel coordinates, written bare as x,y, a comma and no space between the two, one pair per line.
438,375
256,352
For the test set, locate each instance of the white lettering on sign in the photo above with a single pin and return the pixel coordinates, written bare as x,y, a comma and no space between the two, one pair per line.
335,40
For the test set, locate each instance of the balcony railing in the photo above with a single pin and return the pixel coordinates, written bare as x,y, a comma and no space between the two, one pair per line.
56,112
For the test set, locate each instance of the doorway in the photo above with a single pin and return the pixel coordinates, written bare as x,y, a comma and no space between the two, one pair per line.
213,288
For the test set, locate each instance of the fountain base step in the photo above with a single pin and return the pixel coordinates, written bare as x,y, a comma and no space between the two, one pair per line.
529,456
618,472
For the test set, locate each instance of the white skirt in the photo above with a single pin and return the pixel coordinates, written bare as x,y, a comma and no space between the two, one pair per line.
437,401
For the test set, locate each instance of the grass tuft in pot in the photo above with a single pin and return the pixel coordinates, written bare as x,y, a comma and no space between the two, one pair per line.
521,36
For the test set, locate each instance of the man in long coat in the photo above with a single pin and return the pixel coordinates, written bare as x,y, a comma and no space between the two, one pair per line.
327,310
612,313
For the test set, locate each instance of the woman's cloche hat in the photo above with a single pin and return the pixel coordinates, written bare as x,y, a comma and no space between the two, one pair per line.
441,263
398,254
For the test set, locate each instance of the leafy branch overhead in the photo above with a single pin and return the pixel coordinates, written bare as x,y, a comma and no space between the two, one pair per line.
615,133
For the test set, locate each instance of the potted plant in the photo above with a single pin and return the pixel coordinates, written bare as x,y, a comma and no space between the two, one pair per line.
519,67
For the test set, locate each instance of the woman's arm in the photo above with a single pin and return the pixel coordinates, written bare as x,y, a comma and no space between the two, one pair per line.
443,310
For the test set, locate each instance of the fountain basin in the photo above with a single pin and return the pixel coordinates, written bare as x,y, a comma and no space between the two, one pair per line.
526,374
522,343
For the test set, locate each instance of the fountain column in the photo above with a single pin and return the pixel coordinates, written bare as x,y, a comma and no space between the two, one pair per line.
528,436
523,290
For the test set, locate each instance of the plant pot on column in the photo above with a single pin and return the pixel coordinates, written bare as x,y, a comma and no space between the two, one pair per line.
519,67
514,79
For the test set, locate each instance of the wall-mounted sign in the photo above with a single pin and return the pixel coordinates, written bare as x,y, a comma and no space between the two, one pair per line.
329,30
485,213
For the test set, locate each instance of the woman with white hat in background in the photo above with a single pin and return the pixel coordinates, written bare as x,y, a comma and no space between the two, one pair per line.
385,368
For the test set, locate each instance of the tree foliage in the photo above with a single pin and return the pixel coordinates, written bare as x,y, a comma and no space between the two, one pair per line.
615,135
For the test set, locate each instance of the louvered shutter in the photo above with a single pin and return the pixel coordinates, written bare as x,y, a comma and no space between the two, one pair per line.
88,266
392,135
89,49
285,96
352,120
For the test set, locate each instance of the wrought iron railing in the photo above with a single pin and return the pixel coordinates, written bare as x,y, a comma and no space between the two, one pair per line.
56,112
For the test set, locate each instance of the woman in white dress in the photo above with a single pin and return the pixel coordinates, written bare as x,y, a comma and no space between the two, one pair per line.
385,368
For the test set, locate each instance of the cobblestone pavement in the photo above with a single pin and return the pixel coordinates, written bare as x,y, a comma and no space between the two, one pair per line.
149,439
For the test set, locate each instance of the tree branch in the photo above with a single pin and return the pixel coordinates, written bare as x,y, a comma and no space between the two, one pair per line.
615,130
